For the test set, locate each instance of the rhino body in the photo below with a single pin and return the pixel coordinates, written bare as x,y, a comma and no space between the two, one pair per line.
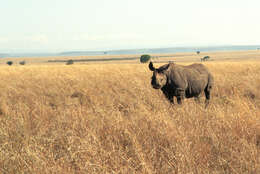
182,81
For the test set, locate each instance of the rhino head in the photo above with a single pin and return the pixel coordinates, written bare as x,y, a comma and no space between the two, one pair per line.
159,78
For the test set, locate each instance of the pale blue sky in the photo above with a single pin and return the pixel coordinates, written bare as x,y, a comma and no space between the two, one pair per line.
63,25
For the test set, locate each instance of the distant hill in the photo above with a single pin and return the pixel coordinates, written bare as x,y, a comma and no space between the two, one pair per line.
82,53
163,50
137,51
3,55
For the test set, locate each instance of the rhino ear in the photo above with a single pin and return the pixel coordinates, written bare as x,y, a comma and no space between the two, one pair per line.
167,66
151,67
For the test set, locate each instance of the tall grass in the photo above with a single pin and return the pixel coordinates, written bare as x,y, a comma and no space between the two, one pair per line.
108,119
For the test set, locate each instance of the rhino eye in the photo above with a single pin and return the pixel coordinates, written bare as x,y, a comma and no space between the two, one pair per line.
161,80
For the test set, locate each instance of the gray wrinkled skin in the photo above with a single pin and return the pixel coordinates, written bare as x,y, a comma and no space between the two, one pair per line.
182,81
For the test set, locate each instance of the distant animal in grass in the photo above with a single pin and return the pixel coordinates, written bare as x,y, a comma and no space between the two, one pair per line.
206,58
182,81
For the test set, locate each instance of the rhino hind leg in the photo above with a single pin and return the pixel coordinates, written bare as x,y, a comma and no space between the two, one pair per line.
208,89
207,95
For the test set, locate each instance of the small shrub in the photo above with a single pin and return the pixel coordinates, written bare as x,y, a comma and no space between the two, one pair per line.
70,62
9,63
145,58
22,62
198,52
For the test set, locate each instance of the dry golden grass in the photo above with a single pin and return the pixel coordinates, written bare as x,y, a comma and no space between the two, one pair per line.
106,118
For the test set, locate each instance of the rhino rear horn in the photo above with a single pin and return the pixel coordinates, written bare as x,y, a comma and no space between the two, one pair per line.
151,67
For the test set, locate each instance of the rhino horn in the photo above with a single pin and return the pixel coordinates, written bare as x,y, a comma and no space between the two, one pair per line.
151,67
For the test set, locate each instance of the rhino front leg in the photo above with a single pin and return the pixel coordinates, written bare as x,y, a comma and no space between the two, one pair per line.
170,98
180,93
169,95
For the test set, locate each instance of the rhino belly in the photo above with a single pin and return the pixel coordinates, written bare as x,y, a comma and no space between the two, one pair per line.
193,91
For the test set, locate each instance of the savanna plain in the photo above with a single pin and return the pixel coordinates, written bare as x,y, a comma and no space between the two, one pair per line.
106,118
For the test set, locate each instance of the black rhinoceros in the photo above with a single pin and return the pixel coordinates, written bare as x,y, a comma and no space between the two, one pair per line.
182,81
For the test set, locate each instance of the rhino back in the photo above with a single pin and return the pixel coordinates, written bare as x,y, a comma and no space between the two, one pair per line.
193,78
177,77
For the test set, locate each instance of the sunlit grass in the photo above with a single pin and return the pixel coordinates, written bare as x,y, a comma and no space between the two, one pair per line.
107,119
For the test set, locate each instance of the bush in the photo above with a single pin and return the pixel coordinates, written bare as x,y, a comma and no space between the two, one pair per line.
22,62
70,62
145,58
9,63
198,52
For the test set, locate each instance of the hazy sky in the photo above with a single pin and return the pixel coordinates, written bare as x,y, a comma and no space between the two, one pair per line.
62,25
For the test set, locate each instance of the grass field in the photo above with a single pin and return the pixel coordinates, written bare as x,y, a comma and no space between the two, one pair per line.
106,118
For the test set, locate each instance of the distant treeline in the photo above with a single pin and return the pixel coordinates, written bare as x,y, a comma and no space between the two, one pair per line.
170,50
164,50
80,53
107,59
98,59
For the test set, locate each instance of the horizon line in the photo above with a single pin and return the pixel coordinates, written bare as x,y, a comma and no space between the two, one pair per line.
122,49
